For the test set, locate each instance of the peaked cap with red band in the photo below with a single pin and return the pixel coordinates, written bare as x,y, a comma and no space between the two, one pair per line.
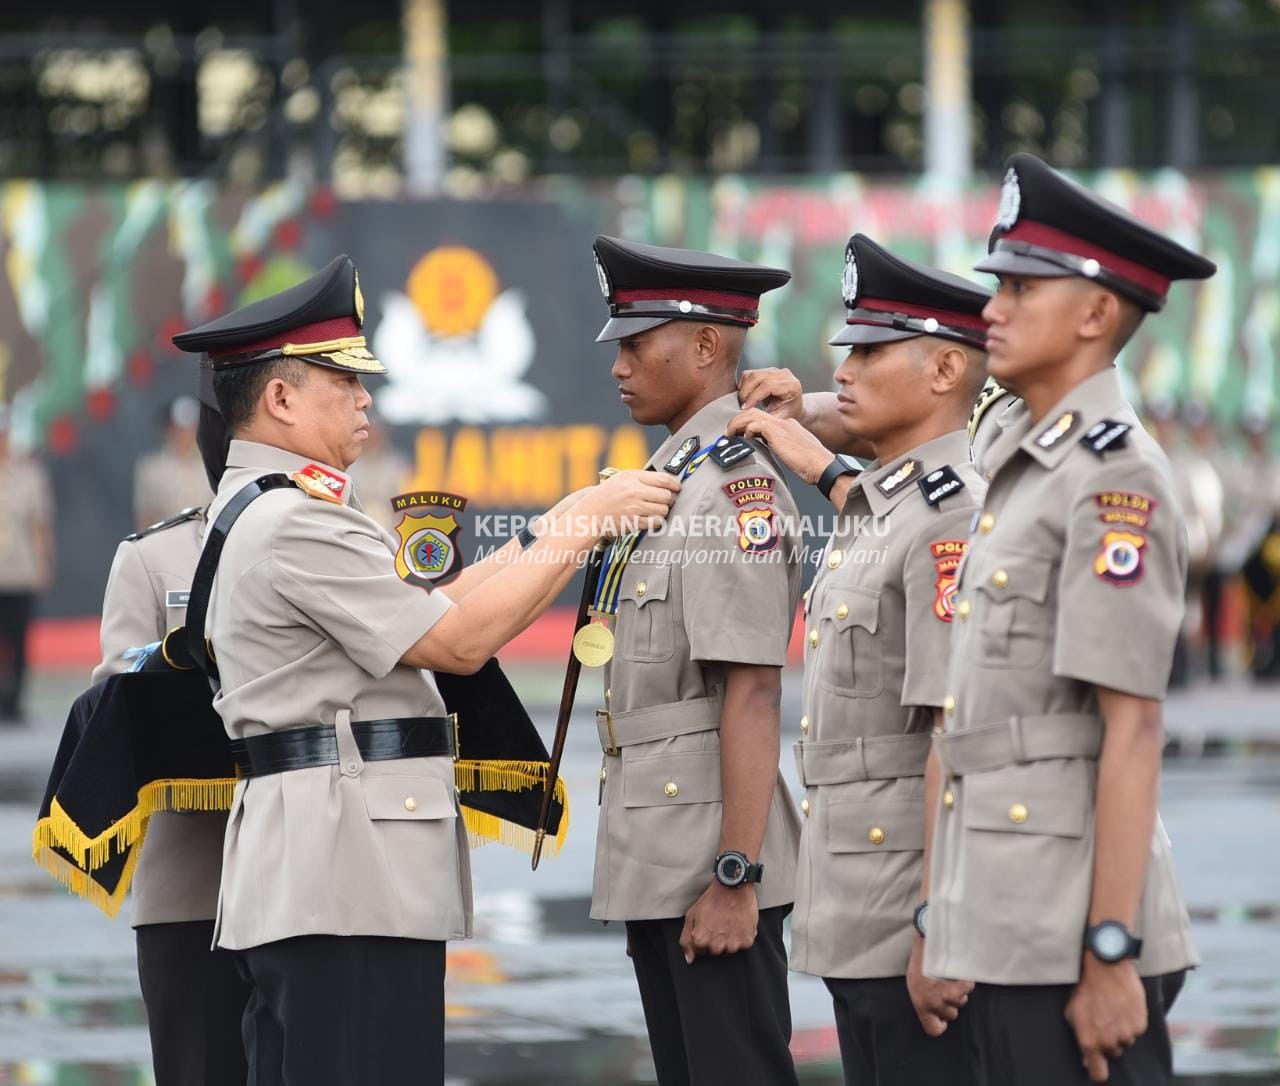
318,320
1051,227
648,285
890,298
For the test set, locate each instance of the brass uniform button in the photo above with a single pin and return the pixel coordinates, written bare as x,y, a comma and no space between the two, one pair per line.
608,694
604,775
410,804
842,611
876,836
948,799
804,806
834,560
948,704
671,789
641,588
986,522
804,725
813,639
999,578
1018,814
962,609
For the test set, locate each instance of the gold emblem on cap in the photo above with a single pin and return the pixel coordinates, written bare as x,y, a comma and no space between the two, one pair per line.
359,300
593,645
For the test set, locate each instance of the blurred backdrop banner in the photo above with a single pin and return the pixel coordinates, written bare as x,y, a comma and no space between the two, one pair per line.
485,313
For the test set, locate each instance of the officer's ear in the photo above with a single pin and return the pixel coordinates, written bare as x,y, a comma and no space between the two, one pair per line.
706,343
278,401
1101,315
948,365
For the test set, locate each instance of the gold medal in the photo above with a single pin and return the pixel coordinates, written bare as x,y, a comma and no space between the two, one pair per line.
593,644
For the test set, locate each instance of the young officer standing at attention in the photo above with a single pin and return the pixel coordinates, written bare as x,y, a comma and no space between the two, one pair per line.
1051,883
696,847
877,636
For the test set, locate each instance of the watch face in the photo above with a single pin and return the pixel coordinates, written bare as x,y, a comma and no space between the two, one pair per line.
922,920
1110,942
732,870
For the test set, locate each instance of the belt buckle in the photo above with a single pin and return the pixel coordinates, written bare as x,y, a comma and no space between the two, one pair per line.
613,748
457,737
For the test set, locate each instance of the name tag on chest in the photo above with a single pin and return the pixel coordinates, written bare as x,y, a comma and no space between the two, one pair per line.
177,597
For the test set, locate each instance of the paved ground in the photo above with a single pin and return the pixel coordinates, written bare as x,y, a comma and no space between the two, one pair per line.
544,995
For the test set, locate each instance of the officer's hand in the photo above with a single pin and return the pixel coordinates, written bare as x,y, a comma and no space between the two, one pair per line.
722,921
1108,1011
775,390
937,1002
787,439
628,501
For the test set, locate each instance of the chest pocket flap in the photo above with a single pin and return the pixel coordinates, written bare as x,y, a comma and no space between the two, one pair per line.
1017,575
871,826
665,780
854,606
642,584
407,798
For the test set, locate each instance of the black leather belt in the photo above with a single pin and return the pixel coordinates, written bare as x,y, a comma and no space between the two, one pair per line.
377,741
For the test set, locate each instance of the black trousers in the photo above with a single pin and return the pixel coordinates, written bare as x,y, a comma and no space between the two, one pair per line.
15,617
195,999
723,1019
352,1010
882,1042
1019,1036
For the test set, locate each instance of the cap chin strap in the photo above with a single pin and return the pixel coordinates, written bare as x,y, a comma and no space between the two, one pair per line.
676,309
1086,268
923,326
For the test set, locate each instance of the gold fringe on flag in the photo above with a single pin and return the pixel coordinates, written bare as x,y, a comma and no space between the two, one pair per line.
125,835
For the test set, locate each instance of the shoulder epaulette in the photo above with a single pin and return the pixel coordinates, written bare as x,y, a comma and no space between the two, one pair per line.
991,395
731,451
192,512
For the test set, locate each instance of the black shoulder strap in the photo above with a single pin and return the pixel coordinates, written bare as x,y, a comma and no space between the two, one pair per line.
215,540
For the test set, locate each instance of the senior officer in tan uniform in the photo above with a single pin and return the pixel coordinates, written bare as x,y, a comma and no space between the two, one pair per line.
696,845
345,864
195,998
878,633
1051,882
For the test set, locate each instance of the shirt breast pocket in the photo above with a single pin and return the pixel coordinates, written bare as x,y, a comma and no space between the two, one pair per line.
848,658
1015,624
645,631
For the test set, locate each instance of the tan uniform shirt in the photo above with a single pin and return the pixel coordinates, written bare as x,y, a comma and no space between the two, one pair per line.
379,478
176,879
27,502
308,621
693,597
164,481
1073,580
878,637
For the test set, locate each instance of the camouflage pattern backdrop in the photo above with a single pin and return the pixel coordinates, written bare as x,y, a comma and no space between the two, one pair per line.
485,313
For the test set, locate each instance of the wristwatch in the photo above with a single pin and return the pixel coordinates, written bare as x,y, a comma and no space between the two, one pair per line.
733,869
838,466
921,918
1110,941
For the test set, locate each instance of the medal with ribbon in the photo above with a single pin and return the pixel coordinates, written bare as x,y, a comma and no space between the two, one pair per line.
593,644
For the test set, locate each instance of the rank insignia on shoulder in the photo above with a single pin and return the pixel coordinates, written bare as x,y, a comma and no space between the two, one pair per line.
1105,435
1062,426
892,483
681,456
320,483
940,484
730,451
193,512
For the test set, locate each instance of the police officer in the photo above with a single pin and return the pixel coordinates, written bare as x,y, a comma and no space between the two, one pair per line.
1051,884
878,632
345,863
26,563
696,846
174,475
195,998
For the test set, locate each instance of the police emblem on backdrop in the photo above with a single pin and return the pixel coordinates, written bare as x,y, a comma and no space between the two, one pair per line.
428,530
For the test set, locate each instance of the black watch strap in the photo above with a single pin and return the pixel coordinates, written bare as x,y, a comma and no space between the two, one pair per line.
834,470
733,869
1110,941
